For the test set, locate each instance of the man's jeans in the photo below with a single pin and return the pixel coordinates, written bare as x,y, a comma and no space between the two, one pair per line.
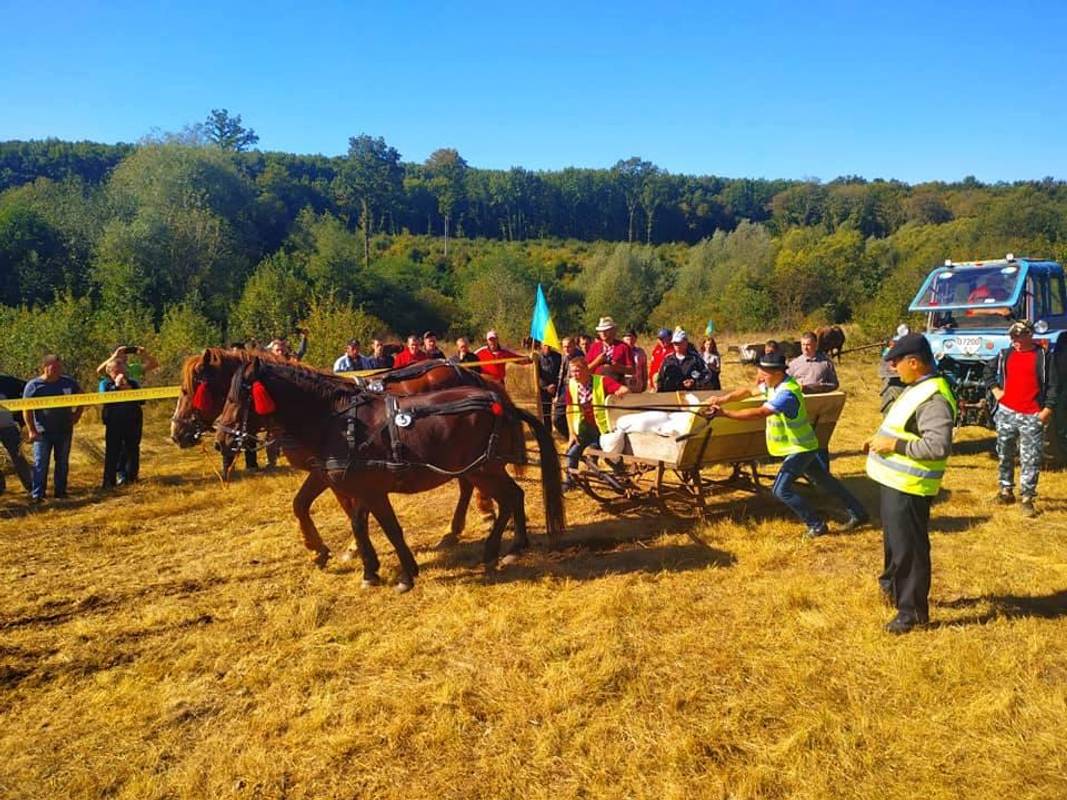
810,465
43,449
587,435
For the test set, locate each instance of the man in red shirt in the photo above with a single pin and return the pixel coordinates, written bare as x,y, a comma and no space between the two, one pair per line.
662,349
411,354
609,356
492,351
1024,382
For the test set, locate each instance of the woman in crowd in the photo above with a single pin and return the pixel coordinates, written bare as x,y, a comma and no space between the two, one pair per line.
709,351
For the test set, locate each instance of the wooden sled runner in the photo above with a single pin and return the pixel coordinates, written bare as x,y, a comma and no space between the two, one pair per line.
664,470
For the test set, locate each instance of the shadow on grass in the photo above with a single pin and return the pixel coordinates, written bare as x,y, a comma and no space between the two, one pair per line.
972,447
1009,606
590,551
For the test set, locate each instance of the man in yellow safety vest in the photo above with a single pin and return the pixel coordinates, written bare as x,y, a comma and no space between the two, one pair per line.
587,413
907,456
791,437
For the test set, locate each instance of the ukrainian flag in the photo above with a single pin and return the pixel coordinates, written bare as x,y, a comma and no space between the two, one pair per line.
541,328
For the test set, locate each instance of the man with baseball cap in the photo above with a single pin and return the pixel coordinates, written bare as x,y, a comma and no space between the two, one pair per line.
790,436
1024,382
907,457
492,351
682,369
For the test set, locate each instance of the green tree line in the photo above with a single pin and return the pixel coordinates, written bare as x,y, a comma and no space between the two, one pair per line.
191,237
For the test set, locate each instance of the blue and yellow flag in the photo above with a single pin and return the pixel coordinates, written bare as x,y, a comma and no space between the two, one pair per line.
541,328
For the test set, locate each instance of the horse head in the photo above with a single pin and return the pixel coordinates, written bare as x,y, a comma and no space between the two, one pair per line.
205,381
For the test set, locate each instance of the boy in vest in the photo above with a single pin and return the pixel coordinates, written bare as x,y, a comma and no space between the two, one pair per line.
791,437
907,457
1024,382
587,413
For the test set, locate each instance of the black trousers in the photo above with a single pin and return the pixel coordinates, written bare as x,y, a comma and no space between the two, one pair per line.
122,450
906,540
554,417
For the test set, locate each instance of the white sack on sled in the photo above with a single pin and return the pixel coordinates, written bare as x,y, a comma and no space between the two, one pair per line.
614,442
663,423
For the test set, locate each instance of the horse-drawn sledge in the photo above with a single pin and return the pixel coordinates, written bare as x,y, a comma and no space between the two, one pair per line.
662,447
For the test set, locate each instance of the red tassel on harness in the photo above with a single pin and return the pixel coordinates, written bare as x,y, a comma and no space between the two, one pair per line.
497,409
202,398
262,403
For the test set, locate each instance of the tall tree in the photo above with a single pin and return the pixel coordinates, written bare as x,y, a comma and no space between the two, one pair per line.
631,175
227,132
447,173
371,177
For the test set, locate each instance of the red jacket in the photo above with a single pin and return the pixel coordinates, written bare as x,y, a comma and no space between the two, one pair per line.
494,371
405,357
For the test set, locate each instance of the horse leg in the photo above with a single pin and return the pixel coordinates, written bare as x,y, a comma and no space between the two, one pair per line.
314,485
520,541
491,486
485,505
360,516
409,568
459,517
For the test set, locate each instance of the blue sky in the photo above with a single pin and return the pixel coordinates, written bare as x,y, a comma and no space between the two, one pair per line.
915,91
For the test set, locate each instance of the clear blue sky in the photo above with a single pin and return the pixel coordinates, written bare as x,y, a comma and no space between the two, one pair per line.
915,91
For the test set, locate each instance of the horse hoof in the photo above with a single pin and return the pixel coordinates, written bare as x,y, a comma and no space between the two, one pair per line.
322,558
448,540
371,582
403,587
347,555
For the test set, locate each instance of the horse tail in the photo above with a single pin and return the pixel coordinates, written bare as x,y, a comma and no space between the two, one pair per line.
551,483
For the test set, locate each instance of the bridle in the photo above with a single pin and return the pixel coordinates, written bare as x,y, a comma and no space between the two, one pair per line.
242,439
196,421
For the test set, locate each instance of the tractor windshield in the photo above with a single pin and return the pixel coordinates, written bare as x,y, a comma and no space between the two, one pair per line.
971,297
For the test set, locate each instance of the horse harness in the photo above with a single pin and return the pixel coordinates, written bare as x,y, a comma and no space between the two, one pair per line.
399,419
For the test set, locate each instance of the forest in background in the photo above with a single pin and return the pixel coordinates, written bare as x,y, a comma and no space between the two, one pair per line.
193,238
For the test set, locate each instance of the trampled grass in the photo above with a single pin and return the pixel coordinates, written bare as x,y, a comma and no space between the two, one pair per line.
172,640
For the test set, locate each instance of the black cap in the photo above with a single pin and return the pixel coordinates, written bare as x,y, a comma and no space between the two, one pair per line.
912,344
771,361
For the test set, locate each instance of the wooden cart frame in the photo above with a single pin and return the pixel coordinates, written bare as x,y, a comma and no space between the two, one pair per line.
661,471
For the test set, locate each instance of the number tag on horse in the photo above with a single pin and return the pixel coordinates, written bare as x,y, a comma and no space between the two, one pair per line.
403,420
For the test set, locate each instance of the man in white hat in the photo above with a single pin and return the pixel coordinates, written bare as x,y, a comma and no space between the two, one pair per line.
609,356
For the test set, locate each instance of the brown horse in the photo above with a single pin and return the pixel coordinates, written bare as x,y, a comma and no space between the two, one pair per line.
206,380
369,445
831,340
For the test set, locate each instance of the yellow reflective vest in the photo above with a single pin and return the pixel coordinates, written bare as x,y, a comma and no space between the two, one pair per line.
788,436
600,411
910,475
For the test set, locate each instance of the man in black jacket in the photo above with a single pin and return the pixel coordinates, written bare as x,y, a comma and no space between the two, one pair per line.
1024,382
683,369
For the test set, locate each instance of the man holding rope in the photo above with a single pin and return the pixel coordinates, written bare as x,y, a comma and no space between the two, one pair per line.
790,437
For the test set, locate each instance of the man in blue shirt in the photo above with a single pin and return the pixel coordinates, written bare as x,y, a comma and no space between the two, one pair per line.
352,361
51,430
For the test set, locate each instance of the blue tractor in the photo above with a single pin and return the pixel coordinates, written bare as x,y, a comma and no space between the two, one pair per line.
969,307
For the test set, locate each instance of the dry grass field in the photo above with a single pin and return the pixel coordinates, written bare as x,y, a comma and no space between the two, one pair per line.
173,641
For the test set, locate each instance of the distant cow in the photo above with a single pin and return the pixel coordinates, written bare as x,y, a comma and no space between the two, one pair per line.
831,341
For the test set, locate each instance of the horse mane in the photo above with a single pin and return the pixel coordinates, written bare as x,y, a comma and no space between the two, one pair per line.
319,383
217,356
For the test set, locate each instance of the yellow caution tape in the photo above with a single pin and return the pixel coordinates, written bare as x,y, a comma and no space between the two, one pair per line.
158,392
94,399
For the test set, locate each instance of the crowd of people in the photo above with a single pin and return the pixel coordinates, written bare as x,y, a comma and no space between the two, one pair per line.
907,456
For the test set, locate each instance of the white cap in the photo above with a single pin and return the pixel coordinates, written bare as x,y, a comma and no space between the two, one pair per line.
679,336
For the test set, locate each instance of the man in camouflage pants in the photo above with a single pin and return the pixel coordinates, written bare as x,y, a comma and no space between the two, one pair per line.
1024,382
